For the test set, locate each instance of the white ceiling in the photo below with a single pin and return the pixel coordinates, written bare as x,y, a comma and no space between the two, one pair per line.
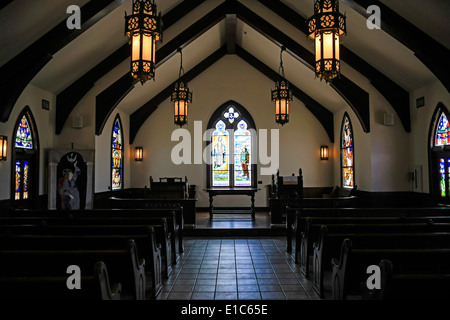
24,21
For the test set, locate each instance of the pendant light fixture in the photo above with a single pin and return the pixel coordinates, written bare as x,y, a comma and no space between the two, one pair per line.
143,29
282,95
326,26
181,96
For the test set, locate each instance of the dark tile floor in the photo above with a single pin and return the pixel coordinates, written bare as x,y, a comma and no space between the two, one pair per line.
236,269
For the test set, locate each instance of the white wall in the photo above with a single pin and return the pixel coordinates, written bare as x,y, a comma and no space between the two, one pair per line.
233,79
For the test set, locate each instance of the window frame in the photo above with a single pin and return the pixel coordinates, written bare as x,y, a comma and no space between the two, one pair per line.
117,119
341,147
214,119
435,153
22,155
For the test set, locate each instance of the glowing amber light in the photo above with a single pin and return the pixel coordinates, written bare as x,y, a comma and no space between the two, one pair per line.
3,147
143,29
324,153
326,26
138,154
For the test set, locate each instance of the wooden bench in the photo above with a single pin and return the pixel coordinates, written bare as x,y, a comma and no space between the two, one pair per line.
124,265
329,246
95,286
146,246
162,236
349,273
296,216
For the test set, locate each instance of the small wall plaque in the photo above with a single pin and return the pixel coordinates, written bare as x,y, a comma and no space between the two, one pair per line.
420,102
45,104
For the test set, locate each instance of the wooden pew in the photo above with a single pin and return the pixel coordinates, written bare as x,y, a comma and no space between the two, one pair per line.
350,269
295,217
95,286
162,236
146,246
329,246
311,233
170,213
403,286
124,265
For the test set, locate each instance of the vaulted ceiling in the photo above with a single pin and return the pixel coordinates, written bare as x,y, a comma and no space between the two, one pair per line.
409,51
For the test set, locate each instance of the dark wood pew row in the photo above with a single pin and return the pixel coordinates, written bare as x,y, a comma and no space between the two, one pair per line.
115,219
329,245
145,243
170,213
404,286
95,285
161,235
363,225
349,273
293,224
124,265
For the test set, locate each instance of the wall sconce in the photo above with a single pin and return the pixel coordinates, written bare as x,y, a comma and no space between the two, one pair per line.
138,154
3,147
324,153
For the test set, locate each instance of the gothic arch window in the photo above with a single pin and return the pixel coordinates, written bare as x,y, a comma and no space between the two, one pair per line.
439,154
117,153
347,154
232,162
25,161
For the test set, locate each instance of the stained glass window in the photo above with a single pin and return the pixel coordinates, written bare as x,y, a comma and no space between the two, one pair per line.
242,155
443,131
17,184
220,155
347,161
442,178
117,155
232,163
24,139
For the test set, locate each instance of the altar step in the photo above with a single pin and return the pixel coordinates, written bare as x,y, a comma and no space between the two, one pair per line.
235,232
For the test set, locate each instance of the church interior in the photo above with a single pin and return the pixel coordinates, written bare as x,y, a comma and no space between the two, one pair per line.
233,149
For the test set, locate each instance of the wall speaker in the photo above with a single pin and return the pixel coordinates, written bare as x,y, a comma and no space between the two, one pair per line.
388,119
77,122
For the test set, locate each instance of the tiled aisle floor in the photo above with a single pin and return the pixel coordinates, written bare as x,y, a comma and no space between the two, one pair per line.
236,269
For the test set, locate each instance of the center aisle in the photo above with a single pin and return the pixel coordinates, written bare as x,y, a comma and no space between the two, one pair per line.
236,269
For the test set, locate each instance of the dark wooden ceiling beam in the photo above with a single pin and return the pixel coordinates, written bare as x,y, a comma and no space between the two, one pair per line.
67,99
138,117
230,22
397,96
162,55
16,73
355,96
430,52
322,114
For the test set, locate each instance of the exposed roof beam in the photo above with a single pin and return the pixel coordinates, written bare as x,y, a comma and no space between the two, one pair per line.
17,74
138,117
324,116
397,96
430,52
162,54
4,3
356,97
67,99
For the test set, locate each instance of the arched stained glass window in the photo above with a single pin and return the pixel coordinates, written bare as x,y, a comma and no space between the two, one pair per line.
24,138
117,155
232,138
347,154
440,154
442,131
25,161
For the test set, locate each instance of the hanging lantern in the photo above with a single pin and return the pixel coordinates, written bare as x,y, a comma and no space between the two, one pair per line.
138,154
282,95
326,26
143,29
324,153
181,97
